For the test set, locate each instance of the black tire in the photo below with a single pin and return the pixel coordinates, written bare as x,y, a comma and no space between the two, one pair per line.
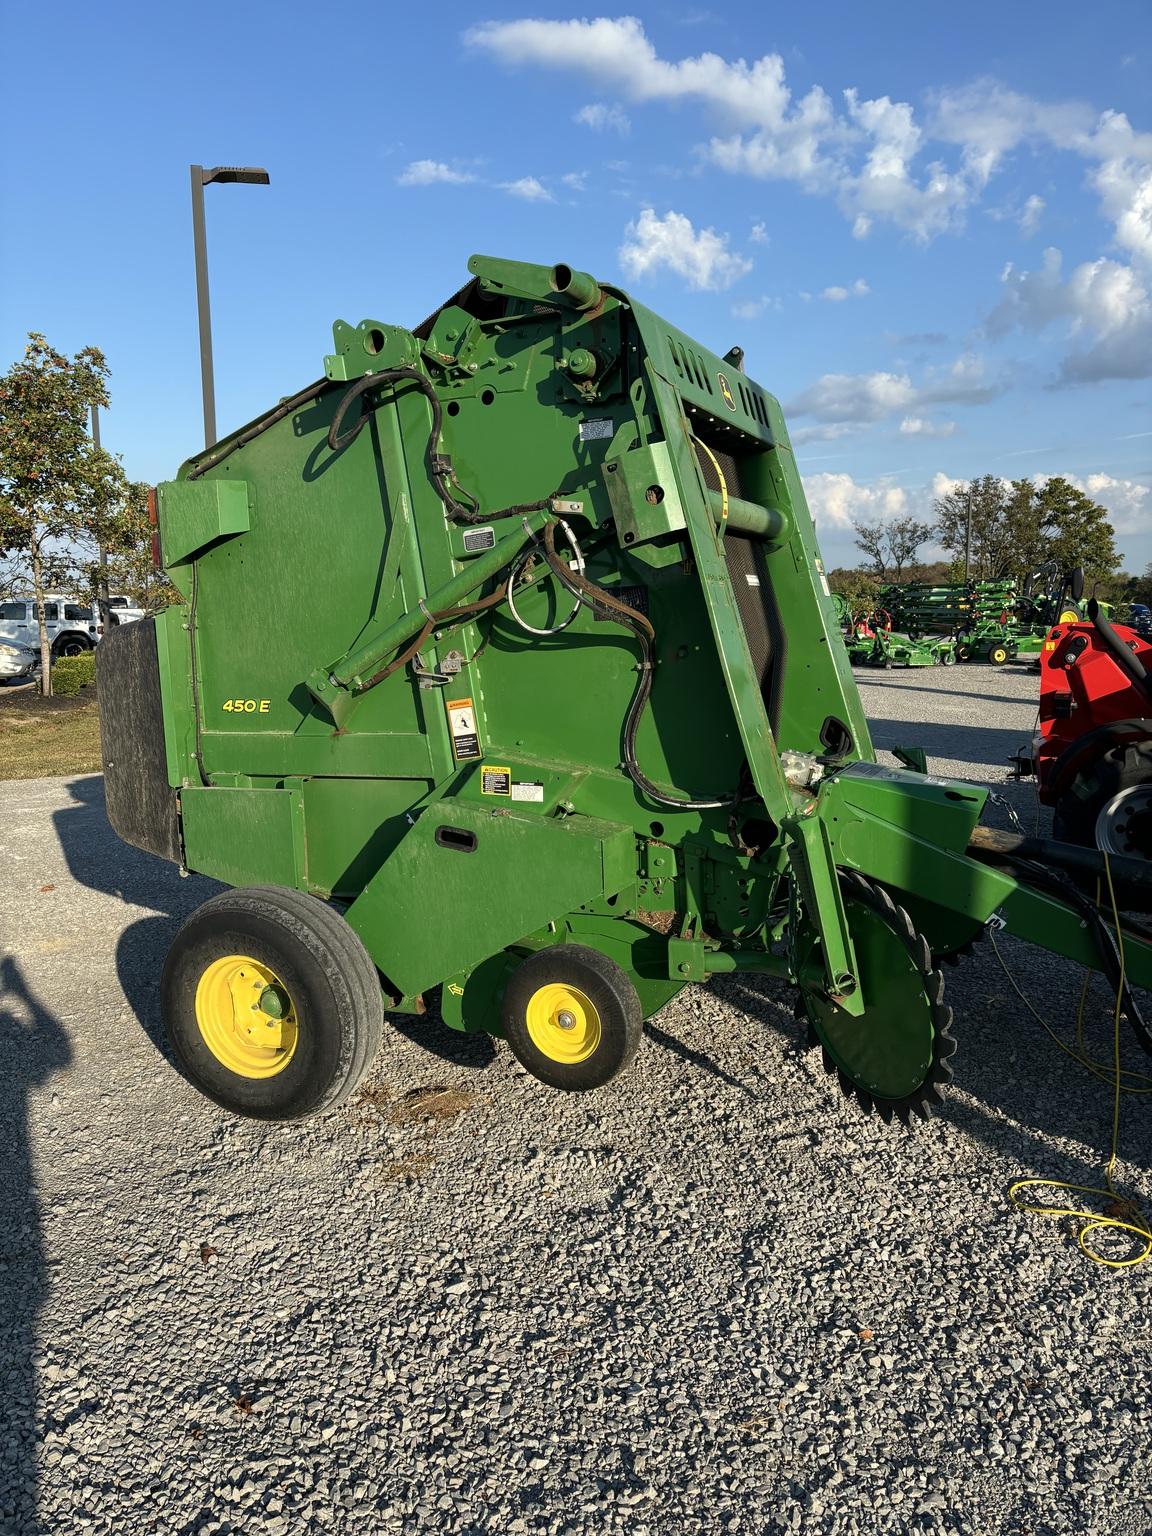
332,985
947,658
71,645
620,1019
998,655
963,653
1078,809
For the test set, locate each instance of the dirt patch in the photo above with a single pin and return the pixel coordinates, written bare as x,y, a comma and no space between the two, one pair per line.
437,1104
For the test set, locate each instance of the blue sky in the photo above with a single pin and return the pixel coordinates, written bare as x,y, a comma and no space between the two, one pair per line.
929,226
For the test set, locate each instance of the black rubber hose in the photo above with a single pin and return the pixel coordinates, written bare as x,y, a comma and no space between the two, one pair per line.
261,424
1063,888
595,598
439,465
1125,659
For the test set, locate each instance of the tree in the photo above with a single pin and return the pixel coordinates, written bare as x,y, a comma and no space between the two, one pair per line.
891,546
117,542
1077,530
1018,525
50,473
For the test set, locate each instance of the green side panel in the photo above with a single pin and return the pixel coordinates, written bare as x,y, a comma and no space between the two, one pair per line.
352,827
244,836
942,811
196,513
176,694
468,881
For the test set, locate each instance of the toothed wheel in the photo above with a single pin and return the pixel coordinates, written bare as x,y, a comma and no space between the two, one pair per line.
894,1058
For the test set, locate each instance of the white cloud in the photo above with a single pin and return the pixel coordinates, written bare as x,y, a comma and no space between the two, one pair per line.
701,258
602,118
527,187
836,500
1104,298
426,173
862,398
871,155
577,181
920,426
837,294
758,234
1030,215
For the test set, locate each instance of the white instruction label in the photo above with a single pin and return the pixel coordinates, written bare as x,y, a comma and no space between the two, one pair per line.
528,792
593,429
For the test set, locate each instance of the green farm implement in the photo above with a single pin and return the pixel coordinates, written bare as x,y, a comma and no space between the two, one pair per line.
506,666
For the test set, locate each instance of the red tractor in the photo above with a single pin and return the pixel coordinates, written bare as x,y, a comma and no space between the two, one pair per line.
1092,755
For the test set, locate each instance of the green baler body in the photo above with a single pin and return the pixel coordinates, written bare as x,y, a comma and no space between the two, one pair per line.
474,805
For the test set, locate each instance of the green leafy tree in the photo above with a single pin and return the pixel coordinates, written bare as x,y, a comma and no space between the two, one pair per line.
891,547
50,473
1017,526
117,543
1077,531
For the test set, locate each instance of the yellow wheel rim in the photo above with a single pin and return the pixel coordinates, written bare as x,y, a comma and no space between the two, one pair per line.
246,1016
563,1023
999,654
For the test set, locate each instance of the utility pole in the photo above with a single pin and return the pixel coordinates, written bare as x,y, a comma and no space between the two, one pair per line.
101,547
251,175
968,536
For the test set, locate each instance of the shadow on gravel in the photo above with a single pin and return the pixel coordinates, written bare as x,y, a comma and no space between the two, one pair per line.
431,1034
97,858
33,1046
991,746
695,1058
1022,1098
981,695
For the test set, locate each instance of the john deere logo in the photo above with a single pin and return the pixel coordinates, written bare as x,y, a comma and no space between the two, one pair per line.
726,391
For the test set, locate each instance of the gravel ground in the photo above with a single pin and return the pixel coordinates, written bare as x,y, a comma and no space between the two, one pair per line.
710,1298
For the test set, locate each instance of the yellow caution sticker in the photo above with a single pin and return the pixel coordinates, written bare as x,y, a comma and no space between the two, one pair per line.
462,727
495,781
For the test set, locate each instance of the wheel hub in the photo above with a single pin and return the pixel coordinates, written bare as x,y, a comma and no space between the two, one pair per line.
246,1016
563,1022
1124,826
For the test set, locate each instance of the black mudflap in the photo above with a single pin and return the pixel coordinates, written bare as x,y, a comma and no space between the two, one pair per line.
141,804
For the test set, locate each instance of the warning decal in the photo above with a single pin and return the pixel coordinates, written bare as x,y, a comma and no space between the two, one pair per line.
495,781
462,725
529,792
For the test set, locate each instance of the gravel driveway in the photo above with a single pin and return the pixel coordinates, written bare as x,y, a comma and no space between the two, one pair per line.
710,1298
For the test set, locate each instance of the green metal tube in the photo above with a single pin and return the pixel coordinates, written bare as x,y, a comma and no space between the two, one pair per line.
351,669
719,962
769,523
577,287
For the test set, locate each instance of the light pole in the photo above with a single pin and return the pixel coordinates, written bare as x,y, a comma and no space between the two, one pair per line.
252,175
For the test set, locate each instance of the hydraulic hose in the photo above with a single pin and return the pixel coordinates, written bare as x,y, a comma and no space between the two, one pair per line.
1110,959
439,464
596,597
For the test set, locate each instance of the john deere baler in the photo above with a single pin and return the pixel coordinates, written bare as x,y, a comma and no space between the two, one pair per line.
506,666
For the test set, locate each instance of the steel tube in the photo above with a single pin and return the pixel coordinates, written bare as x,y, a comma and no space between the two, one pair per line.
351,670
768,523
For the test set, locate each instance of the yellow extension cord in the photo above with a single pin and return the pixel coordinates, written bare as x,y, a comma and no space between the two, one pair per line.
1123,1081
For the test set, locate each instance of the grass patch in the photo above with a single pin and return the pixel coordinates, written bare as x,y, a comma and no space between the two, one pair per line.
43,738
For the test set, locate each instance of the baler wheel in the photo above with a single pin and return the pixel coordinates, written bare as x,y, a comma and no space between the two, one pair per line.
895,1058
272,1004
998,655
572,1017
